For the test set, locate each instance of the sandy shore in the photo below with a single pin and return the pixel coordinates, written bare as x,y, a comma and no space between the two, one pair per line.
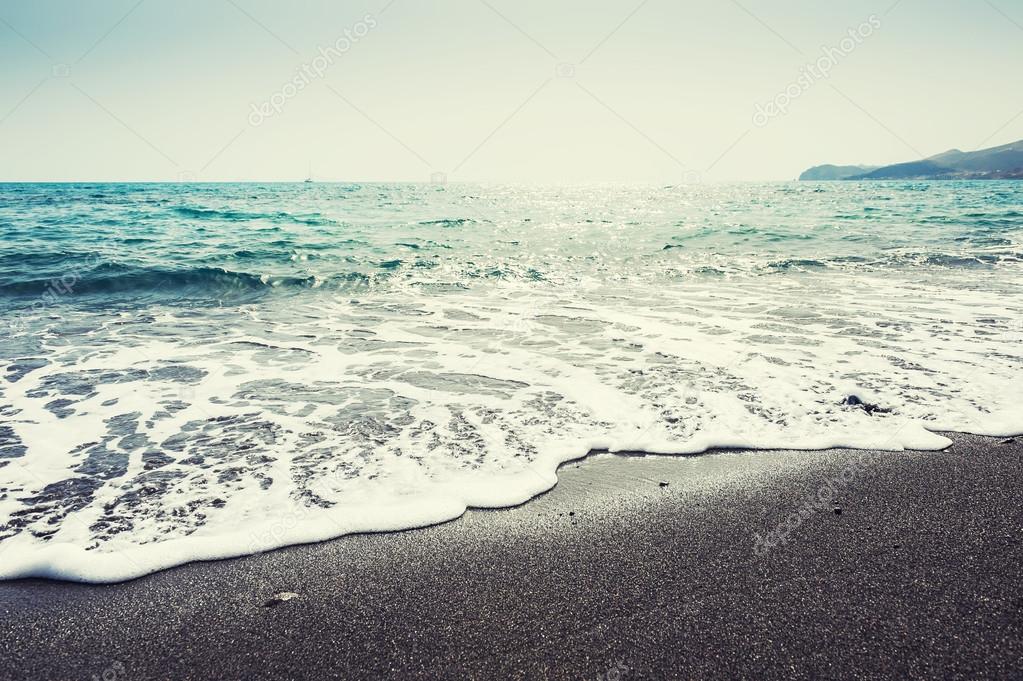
613,574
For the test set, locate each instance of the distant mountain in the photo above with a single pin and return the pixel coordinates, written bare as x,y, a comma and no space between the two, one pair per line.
909,171
997,163
830,172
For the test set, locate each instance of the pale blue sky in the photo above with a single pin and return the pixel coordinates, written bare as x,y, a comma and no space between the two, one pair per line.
652,91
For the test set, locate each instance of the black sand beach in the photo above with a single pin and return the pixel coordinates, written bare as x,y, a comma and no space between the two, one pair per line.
613,574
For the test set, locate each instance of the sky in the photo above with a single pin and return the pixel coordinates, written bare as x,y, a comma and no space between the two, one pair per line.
516,91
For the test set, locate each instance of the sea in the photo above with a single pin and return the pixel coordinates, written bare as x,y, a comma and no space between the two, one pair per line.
200,371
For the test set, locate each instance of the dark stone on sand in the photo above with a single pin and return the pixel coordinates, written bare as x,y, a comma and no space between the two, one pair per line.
663,483
854,401
838,511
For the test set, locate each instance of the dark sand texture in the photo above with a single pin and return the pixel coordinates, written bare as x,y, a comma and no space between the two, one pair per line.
919,576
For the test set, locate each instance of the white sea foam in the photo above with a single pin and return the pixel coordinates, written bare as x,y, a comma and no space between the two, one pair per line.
185,436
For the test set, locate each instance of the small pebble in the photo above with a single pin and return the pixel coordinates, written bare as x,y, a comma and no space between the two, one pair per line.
838,511
663,483
282,597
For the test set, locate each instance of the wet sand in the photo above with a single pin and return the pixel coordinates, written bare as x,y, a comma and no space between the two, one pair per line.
612,575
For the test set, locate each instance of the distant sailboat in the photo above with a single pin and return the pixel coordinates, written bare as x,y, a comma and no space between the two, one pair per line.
309,176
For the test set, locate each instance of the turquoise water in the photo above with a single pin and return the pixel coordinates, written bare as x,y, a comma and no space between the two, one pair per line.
200,241
198,371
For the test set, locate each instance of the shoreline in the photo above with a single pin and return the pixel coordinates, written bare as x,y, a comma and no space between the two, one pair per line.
74,565
610,571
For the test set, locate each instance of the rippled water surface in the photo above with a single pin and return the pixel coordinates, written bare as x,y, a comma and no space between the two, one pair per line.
198,371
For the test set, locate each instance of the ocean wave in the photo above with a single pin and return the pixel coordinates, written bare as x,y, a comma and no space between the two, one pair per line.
111,278
802,263
227,215
447,222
